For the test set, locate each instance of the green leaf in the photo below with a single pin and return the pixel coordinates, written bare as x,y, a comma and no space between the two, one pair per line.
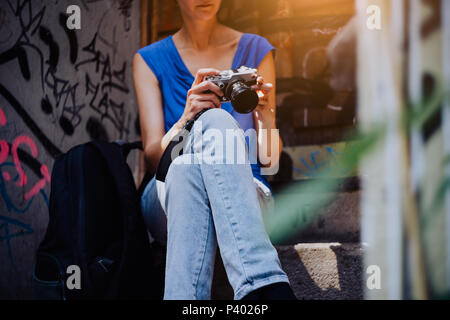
285,220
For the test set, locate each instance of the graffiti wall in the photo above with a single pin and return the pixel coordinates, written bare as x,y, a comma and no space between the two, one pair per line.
59,87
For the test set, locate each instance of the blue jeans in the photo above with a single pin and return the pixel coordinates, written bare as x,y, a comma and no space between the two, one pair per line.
208,205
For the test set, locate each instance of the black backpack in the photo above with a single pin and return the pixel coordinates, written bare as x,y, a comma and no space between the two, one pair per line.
96,224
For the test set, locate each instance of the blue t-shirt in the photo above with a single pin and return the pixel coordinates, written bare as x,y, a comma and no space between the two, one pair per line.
175,79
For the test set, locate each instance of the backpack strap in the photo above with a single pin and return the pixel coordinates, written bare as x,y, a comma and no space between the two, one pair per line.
127,147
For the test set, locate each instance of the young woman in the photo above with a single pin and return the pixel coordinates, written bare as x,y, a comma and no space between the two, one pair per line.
208,204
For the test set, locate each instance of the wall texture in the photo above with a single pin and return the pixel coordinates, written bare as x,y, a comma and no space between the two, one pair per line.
58,88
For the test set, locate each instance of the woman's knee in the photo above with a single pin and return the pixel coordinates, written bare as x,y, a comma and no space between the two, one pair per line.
216,135
217,119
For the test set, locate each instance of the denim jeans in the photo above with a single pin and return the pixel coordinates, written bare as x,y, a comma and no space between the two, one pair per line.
209,205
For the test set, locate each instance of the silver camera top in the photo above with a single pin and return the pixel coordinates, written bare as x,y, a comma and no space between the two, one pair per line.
243,73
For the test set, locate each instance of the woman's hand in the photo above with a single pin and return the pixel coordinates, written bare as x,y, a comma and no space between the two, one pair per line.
264,116
202,95
263,89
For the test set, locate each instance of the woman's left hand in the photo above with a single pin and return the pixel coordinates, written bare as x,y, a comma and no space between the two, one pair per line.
263,89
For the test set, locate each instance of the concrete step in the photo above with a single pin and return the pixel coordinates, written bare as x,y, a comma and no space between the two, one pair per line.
339,221
316,271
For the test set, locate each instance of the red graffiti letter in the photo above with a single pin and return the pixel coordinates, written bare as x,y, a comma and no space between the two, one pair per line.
4,151
2,118
40,184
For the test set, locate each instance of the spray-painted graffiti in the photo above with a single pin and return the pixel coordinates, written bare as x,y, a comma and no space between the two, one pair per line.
110,80
63,98
58,88
14,227
18,180
313,168
310,161
125,10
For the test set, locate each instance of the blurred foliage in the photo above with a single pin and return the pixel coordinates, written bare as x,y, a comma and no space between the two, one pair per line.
283,223
439,197
321,190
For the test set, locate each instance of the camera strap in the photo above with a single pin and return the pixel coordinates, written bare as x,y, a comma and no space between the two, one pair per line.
166,158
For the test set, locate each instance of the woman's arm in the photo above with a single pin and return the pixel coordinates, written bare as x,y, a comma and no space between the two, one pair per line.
264,116
151,114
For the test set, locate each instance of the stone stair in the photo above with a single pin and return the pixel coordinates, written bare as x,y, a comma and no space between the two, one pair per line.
316,271
330,271
324,261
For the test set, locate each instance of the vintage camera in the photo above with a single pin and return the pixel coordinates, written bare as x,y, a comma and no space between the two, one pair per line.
236,87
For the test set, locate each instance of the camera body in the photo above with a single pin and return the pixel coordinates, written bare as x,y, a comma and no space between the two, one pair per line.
236,87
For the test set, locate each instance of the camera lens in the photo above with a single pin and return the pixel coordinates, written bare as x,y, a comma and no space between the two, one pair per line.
243,98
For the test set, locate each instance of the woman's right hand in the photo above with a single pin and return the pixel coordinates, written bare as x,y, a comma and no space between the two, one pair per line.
202,95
